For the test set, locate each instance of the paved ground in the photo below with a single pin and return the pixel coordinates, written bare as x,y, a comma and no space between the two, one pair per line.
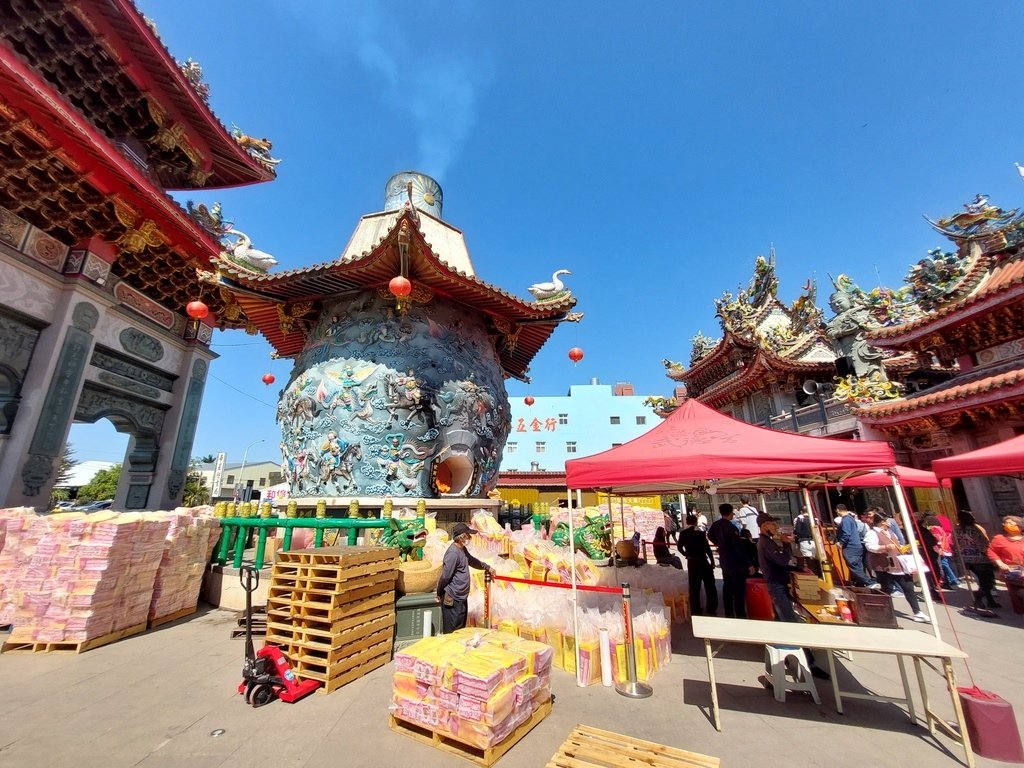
153,700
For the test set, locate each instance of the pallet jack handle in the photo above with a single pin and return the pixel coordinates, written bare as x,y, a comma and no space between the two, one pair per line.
249,578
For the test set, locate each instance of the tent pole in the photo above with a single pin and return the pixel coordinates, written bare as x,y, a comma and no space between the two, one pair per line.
764,505
908,526
572,570
819,543
615,564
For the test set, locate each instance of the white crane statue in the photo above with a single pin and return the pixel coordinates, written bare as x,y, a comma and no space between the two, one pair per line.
243,250
543,291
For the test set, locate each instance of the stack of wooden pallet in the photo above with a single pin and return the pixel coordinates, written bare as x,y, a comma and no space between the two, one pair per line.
332,611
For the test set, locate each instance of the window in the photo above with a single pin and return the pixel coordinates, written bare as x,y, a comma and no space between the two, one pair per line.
570,447
563,418
263,482
511,447
615,420
275,478
541,447
230,480
641,419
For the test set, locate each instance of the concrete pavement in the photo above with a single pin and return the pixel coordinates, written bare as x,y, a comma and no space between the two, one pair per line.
153,701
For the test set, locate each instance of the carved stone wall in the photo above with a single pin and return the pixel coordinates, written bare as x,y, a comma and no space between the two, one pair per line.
17,342
382,403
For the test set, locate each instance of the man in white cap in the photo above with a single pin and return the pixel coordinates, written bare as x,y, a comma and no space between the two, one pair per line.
453,586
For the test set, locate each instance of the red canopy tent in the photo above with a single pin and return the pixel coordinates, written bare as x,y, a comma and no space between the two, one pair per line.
698,447
1005,458
908,477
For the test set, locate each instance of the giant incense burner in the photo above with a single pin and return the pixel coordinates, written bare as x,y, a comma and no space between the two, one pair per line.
400,352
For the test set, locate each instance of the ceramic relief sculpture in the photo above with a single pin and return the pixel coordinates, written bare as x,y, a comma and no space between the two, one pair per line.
389,404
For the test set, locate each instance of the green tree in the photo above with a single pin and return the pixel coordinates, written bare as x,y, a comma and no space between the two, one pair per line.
67,463
102,486
207,459
196,492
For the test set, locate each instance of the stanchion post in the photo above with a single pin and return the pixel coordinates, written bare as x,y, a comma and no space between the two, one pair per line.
487,599
631,688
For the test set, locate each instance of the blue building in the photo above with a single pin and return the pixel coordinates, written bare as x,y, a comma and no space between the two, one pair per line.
591,418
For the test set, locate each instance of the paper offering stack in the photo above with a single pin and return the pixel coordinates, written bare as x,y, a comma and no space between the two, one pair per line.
191,537
474,685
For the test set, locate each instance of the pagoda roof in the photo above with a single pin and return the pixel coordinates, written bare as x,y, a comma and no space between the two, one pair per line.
108,46
989,387
75,168
282,306
998,282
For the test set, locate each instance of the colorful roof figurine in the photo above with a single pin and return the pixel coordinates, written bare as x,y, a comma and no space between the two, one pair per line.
761,336
409,238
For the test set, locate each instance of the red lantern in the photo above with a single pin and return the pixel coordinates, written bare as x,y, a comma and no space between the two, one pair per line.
529,400
197,310
268,379
575,354
400,286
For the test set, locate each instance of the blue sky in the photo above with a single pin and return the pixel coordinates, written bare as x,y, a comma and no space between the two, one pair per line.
654,149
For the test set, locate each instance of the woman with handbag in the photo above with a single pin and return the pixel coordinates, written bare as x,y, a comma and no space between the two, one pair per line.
883,557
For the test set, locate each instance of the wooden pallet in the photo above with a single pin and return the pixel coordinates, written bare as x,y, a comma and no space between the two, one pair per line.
294,611
71,647
339,594
168,618
337,556
326,637
589,747
316,667
485,757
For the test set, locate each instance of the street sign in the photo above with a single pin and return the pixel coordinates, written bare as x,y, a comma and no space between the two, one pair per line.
218,475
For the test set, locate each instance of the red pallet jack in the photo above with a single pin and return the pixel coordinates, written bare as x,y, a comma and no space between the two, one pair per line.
266,674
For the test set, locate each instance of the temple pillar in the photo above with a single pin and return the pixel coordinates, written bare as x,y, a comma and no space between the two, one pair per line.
31,454
174,452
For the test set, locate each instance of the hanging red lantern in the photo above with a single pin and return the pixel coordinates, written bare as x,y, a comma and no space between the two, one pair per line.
268,379
197,310
575,354
400,286
529,400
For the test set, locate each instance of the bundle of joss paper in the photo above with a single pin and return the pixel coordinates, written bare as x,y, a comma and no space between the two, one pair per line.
192,535
474,685
72,576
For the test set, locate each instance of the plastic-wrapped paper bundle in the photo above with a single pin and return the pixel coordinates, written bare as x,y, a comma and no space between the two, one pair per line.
13,557
191,538
489,536
545,615
84,576
473,685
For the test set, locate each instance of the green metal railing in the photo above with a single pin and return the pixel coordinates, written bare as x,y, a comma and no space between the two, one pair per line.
243,526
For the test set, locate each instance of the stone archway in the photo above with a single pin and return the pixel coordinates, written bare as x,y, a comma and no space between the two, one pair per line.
143,421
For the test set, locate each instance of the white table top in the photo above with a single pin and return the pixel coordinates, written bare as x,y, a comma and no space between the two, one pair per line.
825,636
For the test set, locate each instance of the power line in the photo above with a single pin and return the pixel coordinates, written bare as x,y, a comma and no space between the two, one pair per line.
241,392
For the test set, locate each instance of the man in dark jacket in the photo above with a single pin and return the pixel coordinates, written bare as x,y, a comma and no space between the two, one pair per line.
775,551
848,537
700,567
736,565
453,586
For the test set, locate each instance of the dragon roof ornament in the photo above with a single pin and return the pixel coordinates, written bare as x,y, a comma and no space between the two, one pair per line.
702,347
737,314
980,221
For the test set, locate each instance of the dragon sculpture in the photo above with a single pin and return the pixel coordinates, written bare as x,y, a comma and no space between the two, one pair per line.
675,371
593,537
702,347
257,149
408,536
933,278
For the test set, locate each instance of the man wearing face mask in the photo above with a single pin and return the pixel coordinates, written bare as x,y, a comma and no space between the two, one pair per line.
453,586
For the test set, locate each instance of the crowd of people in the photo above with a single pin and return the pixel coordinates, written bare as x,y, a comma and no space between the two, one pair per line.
874,547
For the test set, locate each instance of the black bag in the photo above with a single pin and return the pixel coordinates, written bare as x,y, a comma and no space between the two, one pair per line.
878,561
802,528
